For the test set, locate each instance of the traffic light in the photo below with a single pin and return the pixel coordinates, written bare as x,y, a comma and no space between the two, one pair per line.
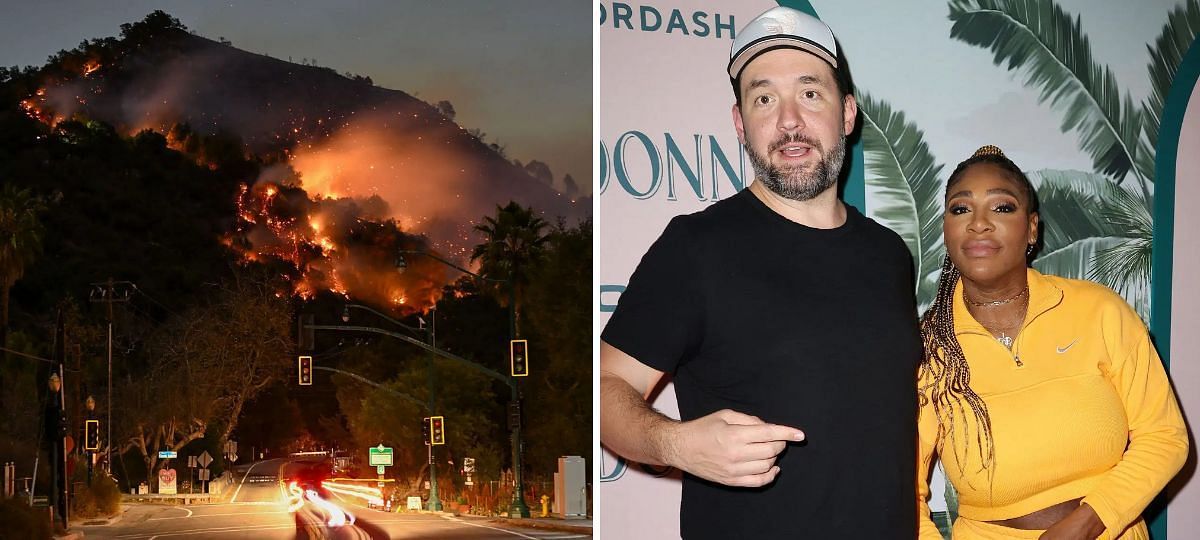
425,430
304,368
305,340
517,352
91,435
437,430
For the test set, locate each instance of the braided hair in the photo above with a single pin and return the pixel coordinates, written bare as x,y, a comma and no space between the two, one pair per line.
944,373
946,378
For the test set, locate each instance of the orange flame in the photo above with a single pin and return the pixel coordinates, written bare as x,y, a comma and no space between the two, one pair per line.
328,251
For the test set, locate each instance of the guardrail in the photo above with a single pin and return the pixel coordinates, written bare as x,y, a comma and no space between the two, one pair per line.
185,498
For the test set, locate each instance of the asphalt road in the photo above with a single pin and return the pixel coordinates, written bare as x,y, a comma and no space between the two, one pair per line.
260,509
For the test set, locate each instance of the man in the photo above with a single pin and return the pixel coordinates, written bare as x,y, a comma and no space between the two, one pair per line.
786,319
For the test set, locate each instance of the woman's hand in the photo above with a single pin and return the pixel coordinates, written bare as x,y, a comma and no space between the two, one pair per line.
1081,524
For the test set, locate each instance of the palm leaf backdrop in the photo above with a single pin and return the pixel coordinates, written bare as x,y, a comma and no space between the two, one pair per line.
1177,35
1070,201
1126,267
1077,260
1040,41
904,186
1084,212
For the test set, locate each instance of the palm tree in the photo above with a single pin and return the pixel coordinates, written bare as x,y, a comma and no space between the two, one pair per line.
513,245
20,242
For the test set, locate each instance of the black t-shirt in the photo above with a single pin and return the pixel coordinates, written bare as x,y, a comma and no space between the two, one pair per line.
810,328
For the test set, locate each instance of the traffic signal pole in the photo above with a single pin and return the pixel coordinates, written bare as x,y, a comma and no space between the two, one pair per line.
518,508
435,504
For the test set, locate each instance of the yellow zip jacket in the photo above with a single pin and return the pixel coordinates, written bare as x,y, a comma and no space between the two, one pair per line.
1081,407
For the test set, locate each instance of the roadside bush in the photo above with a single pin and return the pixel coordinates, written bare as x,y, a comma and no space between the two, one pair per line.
21,521
102,498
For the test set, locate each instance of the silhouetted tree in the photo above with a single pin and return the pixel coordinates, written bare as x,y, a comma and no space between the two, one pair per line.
446,108
151,27
540,171
558,321
20,242
514,243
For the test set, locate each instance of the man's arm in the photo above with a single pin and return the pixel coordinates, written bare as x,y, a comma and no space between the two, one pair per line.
728,447
628,425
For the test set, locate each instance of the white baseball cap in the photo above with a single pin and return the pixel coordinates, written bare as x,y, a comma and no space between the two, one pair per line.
782,27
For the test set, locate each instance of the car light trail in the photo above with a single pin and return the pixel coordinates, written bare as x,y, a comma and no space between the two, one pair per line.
369,494
295,497
337,516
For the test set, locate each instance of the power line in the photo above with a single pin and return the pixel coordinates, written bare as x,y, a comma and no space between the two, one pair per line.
19,353
151,298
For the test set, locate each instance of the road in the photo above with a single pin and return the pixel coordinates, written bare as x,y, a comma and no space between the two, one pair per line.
260,508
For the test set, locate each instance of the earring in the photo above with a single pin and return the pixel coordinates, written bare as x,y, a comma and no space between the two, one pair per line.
1029,250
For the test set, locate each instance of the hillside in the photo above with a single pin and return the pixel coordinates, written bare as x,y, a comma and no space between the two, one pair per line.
339,134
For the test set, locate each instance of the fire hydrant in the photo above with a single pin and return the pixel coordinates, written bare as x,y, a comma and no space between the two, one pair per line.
545,506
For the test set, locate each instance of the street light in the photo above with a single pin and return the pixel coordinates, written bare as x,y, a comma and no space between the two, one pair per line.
519,508
55,431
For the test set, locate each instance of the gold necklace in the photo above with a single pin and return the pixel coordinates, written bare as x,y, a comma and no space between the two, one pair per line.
1006,340
996,302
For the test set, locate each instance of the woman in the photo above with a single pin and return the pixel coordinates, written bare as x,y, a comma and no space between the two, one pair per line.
1043,396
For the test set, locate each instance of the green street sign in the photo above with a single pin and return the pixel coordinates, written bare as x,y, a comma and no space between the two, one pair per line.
380,456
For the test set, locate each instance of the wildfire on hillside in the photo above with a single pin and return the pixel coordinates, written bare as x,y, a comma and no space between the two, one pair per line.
39,108
349,189
333,245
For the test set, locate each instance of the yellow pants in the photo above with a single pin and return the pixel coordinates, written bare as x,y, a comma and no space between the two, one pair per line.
967,529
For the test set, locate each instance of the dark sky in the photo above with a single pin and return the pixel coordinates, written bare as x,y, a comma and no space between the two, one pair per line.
520,70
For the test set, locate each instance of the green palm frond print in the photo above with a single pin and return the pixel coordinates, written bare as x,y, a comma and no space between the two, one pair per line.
1037,39
904,186
1040,41
1108,228
1182,26
1069,200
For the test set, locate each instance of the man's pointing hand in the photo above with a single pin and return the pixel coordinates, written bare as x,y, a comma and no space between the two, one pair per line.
730,448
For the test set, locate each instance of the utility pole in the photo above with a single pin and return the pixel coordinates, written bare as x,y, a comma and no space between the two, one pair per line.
518,509
110,292
55,425
435,503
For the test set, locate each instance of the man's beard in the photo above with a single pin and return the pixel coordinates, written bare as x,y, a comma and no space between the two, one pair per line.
795,182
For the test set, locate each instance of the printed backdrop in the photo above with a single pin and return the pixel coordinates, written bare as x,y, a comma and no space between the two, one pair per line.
1074,91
